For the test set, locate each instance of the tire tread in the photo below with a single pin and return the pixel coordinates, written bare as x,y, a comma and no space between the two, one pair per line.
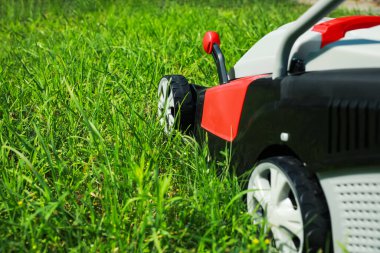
184,101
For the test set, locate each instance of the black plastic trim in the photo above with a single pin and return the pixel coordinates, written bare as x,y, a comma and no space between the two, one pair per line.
220,63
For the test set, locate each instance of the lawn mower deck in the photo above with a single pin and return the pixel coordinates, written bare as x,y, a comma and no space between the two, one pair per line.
302,109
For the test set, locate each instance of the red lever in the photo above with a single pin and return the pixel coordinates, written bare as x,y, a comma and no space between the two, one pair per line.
209,40
336,29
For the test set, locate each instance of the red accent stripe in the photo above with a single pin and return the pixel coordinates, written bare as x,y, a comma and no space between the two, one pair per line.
336,29
223,106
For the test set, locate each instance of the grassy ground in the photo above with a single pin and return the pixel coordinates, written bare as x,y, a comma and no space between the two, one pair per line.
84,164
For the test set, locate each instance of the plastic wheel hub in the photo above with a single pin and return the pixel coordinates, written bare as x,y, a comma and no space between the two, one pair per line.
272,190
166,105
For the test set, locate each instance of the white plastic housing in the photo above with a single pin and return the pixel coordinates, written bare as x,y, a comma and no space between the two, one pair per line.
358,49
353,198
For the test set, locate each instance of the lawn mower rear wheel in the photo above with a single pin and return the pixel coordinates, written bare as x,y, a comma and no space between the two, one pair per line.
288,197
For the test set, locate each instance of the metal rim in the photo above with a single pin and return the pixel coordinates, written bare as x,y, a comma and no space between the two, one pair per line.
272,197
166,105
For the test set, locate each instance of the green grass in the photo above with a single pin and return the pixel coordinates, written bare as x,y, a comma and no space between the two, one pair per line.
85,165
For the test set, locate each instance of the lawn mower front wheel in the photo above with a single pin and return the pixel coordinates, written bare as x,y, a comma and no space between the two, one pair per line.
176,104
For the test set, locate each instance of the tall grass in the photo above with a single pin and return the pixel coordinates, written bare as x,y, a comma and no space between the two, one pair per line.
85,165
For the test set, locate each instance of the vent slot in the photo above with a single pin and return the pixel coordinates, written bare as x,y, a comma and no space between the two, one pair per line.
353,125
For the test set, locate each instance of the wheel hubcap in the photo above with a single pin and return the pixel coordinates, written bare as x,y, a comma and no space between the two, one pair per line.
272,192
166,105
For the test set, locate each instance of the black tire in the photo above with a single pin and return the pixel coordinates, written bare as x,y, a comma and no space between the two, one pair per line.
183,107
308,197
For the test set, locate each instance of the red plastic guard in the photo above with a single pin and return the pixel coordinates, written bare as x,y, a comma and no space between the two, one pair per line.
223,106
336,29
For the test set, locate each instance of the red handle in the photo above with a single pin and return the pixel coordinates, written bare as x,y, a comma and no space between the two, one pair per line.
336,29
209,39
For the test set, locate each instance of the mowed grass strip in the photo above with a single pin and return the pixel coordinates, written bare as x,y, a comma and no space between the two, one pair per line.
85,165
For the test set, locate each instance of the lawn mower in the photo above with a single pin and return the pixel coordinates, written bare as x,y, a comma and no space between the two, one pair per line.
301,113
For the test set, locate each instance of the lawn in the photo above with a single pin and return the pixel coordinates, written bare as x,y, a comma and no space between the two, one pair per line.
85,166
